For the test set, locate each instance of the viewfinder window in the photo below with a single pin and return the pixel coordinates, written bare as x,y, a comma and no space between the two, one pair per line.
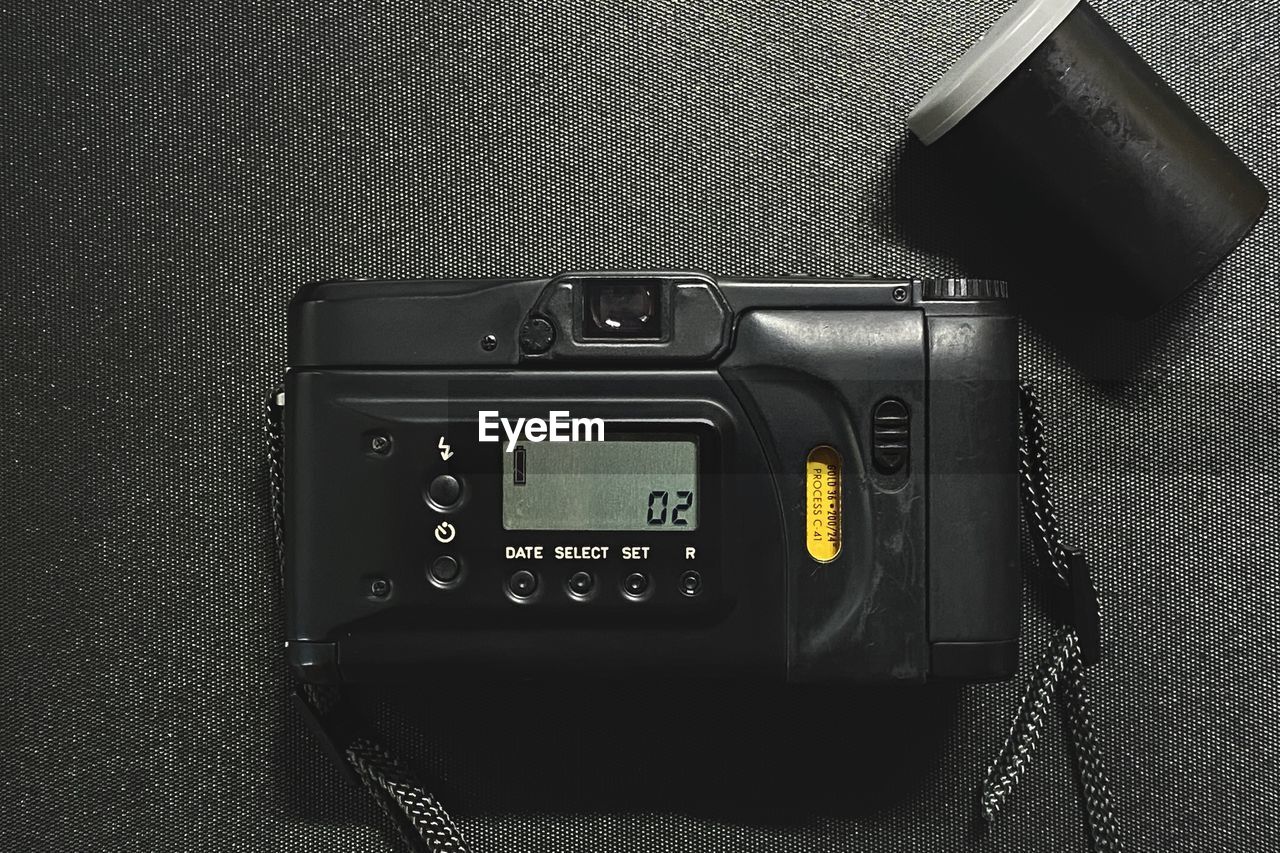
622,309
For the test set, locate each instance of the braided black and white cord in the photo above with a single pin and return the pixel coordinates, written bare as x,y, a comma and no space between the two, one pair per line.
421,820
1104,830
1037,486
1028,725
1060,672
275,469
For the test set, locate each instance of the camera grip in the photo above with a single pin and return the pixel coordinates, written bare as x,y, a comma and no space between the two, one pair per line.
974,582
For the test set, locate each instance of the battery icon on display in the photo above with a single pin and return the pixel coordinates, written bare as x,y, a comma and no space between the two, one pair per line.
518,478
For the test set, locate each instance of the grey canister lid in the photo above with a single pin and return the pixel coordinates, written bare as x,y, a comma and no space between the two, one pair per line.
986,65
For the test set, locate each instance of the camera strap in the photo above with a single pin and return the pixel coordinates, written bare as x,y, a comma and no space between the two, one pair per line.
426,827
1075,645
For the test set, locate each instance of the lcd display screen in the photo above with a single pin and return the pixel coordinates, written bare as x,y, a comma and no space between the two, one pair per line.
620,484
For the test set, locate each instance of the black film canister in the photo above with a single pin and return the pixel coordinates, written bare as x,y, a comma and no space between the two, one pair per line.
1074,132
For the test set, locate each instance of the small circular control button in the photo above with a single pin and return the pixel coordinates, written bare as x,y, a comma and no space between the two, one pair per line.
537,335
580,583
691,583
636,584
444,491
523,583
445,570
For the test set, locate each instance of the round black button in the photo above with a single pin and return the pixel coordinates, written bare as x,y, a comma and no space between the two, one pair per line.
523,583
691,583
445,570
636,583
537,335
580,583
444,491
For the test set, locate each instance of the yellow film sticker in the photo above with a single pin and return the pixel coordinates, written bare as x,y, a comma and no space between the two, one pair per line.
822,504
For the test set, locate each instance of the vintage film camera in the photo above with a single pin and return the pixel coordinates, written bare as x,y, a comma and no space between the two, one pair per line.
662,473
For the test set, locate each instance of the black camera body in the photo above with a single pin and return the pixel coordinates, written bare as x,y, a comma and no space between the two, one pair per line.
624,473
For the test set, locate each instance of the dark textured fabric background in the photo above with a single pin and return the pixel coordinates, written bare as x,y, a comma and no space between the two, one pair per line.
171,172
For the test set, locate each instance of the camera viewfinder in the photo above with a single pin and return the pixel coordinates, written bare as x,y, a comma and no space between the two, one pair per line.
622,309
